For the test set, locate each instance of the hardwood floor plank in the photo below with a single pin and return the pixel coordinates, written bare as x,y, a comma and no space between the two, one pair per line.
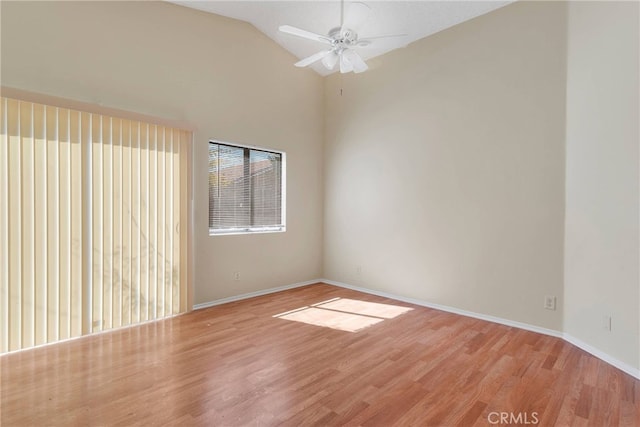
583,407
470,417
238,365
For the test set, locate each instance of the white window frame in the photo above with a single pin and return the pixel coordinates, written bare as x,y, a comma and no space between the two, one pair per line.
283,199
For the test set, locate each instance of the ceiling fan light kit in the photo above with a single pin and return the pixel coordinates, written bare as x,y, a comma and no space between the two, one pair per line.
342,41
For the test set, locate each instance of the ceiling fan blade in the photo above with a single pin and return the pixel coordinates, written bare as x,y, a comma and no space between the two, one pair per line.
356,15
330,60
313,58
380,41
356,61
345,65
288,29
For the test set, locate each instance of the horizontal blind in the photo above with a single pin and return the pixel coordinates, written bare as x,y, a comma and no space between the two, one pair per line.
93,223
266,188
229,192
245,189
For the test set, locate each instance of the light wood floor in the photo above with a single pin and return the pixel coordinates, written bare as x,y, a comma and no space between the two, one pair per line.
237,365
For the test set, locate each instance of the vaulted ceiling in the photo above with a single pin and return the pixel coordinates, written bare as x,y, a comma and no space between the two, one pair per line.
416,19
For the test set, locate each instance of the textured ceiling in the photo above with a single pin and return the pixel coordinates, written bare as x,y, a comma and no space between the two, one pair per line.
416,19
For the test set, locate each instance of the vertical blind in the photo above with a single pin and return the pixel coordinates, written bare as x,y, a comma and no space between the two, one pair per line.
245,189
93,223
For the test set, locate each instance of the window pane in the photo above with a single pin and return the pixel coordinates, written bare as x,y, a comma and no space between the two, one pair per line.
229,188
266,186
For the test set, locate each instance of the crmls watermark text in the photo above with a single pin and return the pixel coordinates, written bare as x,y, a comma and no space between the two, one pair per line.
513,418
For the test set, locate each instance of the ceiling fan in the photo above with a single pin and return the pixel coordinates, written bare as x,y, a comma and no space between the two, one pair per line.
342,41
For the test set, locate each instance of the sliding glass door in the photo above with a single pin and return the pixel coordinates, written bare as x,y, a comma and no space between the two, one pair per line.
93,222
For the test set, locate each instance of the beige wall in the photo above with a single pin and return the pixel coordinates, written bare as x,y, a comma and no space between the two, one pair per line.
602,252
222,76
444,168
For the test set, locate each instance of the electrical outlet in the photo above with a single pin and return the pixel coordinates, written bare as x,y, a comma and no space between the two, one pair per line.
550,302
359,270
236,275
606,322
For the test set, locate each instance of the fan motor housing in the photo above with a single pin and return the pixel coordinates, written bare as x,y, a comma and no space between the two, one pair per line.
343,37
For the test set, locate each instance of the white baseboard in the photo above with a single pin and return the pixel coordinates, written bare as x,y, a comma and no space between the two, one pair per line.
634,372
494,319
254,294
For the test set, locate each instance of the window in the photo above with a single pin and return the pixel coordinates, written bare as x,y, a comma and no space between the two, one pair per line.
246,189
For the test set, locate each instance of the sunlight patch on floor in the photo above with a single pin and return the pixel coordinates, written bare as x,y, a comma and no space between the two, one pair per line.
344,314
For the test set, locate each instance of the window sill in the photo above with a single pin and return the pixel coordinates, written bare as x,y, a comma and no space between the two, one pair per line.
245,232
